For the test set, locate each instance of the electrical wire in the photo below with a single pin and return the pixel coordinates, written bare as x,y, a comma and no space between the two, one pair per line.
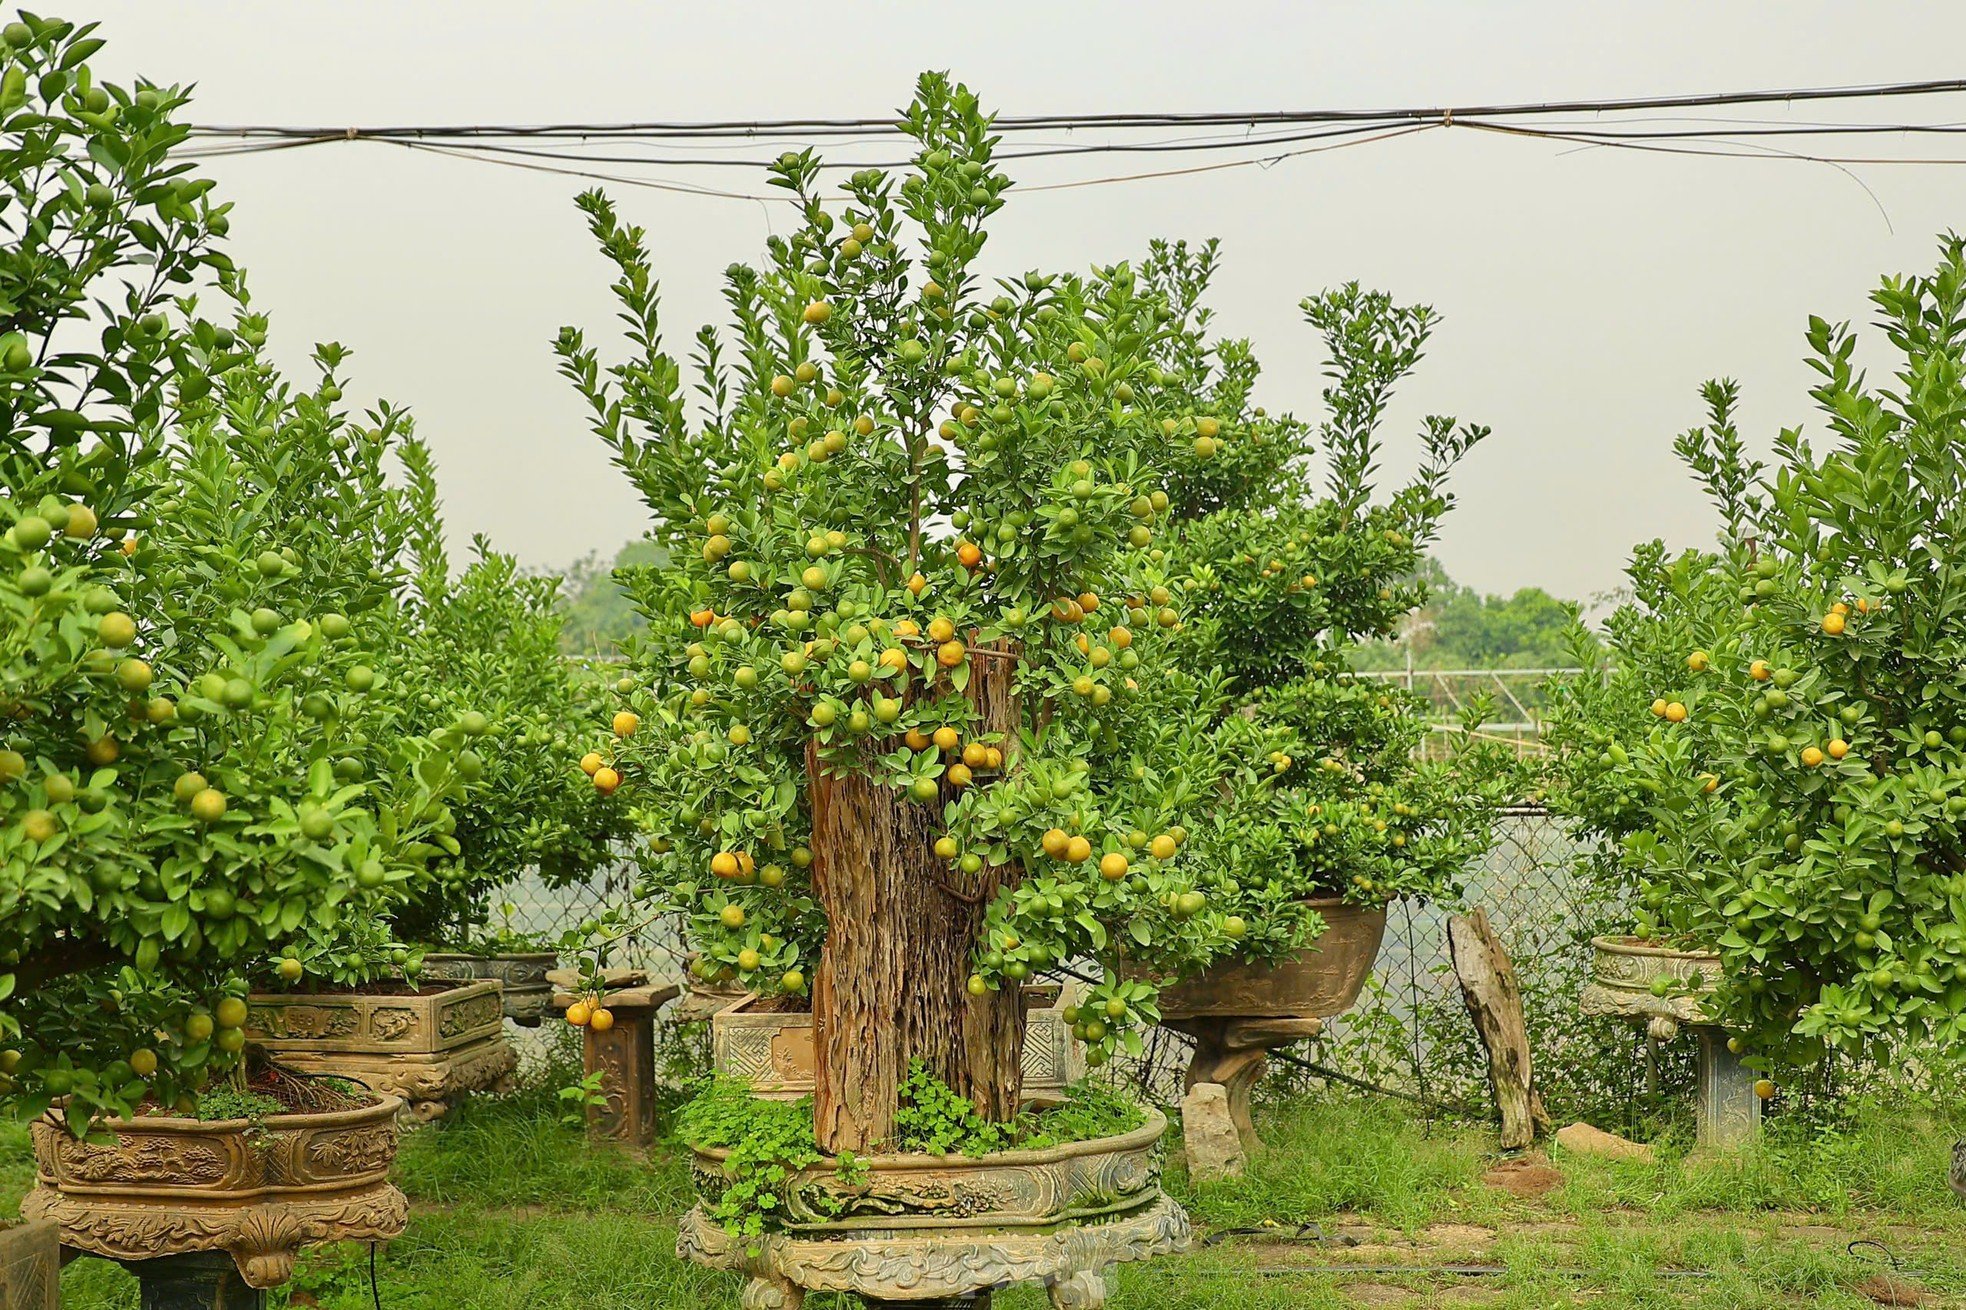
1014,123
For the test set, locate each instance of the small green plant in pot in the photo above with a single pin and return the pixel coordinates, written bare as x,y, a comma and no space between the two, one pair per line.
1775,764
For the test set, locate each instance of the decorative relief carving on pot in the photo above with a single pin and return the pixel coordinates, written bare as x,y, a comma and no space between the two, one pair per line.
300,1022
392,1023
138,1159
930,1263
473,1012
358,1151
269,1205
742,1051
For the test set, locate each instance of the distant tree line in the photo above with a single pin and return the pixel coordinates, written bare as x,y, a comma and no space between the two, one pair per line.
1461,628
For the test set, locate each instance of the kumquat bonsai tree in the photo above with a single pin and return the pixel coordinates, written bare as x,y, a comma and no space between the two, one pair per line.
908,664
901,767
1319,788
482,654
1776,763
178,810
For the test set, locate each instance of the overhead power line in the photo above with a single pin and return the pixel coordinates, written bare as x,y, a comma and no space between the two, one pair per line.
600,151
1013,123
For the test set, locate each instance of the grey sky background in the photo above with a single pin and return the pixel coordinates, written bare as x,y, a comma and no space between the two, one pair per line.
1585,293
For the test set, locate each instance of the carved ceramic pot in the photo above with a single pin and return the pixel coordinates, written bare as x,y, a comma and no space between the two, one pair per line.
30,1266
1317,982
1625,972
773,1051
920,1228
528,994
427,1047
257,1190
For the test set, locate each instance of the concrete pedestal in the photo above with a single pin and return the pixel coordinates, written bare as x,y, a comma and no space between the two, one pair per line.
1232,1051
205,1280
1726,1112
624,1055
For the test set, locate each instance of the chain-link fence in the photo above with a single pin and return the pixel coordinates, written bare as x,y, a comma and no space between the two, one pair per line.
1409,1035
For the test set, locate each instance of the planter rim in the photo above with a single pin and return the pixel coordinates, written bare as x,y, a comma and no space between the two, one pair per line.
1323,899
427,988
491,955
384,1109
1639,946
1145,1135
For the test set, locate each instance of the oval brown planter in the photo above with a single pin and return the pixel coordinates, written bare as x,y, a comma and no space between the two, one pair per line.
1317,982
258,1190
427,1047
921,1227
30,1266
772,1050
528,994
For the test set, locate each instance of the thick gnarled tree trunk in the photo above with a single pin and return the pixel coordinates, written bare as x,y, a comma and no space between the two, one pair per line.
901,929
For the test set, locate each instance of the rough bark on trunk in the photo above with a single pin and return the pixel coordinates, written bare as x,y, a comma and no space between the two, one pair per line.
901,929
1494,1001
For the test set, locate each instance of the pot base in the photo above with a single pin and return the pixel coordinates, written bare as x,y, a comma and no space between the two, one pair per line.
427,1084
922,1267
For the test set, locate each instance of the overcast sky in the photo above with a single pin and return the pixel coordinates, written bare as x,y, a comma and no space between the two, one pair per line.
1585,293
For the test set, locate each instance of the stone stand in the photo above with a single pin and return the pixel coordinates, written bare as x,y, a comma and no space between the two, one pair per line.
30,1265
1232,1052
624,1055
1726,1112
205,1280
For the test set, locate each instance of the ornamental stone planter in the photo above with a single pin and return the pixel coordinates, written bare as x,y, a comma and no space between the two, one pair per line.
30,1266
703,999
427,1047
1319,981
257,1190
773,1049
528,992
917,1230
1624,971
1237,1013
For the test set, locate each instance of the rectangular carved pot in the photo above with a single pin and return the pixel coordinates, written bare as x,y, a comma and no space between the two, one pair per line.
774,1051
528,994
30,1266
427,1048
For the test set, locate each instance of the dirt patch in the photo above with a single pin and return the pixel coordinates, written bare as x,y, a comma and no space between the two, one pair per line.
1377,1294
1458,1237
1888,1289
1527,1179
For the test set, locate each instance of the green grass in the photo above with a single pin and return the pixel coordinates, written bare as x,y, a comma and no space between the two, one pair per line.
513,1211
